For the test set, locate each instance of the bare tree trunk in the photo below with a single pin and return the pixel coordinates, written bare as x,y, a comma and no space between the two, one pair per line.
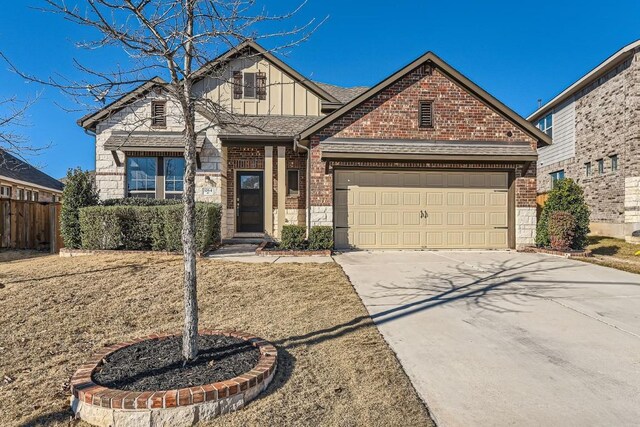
190,335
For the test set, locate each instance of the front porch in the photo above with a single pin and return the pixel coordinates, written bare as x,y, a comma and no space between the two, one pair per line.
265,189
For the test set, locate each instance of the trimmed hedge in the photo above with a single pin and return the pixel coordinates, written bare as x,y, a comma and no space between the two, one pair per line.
138,201
157,228
293,236
321,237
561,229
79,192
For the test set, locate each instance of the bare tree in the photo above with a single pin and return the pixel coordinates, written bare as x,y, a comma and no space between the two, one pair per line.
176,39
13,118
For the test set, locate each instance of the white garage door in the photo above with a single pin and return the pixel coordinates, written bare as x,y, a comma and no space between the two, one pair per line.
411,210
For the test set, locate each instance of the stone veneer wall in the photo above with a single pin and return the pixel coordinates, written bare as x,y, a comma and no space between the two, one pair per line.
607,123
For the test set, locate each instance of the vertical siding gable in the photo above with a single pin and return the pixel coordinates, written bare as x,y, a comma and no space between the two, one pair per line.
285,95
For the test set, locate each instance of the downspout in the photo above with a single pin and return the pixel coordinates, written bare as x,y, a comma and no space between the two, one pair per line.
297,145
95,158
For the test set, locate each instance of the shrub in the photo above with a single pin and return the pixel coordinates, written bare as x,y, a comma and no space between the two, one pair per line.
137,201
561,230
156,228
566,196
78,192
293,237
321,237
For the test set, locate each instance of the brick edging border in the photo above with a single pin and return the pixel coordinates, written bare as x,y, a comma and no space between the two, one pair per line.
86,391
261,251
564,254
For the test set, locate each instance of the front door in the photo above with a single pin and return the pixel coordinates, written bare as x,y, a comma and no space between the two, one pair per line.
250,202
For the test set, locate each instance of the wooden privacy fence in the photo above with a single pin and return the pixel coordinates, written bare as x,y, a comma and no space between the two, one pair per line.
541,199
30,225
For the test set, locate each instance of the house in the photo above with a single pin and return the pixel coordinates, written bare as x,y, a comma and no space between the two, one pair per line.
424,159
595,127
21,181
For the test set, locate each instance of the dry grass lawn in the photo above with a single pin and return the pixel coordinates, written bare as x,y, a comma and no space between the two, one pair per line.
614,253
335,368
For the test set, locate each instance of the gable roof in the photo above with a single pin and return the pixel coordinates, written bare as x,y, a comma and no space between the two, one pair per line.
14,169
261,51
603,68
467,84
343,94
90,120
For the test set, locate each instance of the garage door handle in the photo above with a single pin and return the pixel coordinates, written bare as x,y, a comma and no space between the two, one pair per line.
501,228
500,191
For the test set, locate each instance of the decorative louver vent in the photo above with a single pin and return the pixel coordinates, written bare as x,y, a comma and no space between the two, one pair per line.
426,114
158,113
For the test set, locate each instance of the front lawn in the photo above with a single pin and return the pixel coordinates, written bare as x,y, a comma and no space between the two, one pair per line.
614,253
335,368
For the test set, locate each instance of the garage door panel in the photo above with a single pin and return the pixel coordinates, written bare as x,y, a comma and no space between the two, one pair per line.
422,209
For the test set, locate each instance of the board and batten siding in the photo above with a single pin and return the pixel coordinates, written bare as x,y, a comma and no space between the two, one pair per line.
285,95
564,136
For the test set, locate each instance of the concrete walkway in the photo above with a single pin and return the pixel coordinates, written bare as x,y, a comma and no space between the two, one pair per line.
501,338
247,253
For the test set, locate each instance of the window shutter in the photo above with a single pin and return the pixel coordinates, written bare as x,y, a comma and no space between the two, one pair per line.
261,85
426,114
237,85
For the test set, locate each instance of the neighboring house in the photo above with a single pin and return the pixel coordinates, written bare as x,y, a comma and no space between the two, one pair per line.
21,181
424,159
595,127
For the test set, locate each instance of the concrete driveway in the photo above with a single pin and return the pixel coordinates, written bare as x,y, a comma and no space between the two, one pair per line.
501,338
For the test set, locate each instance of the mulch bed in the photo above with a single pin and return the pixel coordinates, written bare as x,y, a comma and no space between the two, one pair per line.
158,364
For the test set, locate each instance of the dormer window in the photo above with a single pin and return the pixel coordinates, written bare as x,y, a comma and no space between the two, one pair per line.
158,113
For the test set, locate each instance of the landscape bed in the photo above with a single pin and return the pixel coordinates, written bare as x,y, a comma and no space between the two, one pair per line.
333,366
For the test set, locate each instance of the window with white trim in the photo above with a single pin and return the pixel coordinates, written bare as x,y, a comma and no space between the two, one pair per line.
5,191
545,124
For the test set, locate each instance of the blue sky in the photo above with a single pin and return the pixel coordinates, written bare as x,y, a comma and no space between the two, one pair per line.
518,52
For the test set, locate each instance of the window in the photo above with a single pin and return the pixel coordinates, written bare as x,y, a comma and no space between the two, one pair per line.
141,176
249,85
250,182
614,162
600,166
35,196
293,182
425,113
587,169
158,113
556,176
20,194
28,195
5,191
173,177
545,124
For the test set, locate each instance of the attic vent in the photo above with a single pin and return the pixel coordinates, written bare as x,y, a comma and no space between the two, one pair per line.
425,113
158,113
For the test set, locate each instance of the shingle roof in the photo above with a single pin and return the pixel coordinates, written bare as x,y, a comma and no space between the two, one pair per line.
151,140
277,126
423,147
342,94
13,168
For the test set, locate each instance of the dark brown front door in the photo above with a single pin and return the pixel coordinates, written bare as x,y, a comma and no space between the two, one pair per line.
250,202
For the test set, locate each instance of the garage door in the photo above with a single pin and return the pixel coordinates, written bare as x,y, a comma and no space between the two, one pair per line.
412,210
